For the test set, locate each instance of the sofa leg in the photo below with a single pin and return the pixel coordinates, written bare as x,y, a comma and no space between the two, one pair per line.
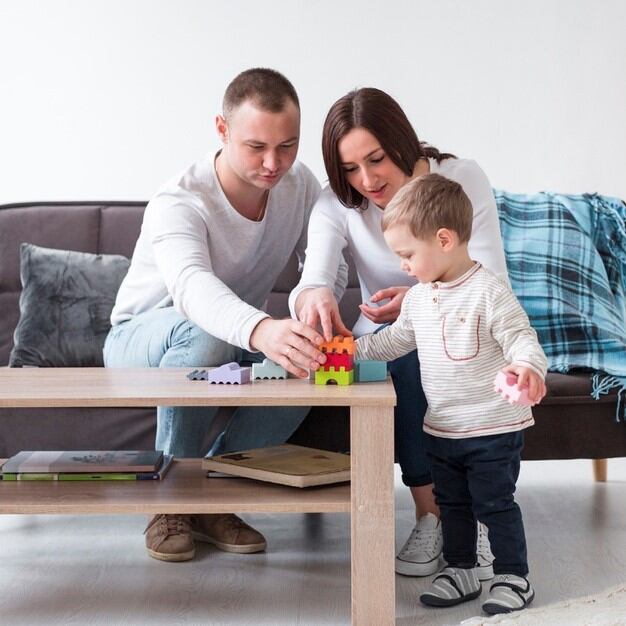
600,470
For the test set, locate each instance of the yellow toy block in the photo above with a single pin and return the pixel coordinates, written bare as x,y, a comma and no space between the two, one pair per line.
340,377
339,344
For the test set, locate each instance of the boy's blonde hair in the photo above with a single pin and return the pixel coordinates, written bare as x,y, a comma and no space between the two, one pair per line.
428,203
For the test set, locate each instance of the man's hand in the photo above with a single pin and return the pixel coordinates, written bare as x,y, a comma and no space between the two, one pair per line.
527,377
317,307
387,312
289,343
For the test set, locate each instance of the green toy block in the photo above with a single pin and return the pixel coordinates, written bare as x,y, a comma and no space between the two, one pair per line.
370,371
341,377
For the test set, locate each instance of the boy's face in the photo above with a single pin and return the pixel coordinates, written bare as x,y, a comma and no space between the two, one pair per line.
260,146
427,259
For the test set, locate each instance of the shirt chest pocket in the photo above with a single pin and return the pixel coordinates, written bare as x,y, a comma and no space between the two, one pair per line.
460,335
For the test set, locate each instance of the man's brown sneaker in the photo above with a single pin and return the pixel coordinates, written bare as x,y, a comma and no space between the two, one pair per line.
227,532
168,538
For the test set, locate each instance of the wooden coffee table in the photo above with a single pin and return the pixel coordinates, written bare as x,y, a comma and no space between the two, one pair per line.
369,498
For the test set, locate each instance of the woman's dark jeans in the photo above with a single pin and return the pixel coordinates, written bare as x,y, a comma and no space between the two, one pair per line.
409,420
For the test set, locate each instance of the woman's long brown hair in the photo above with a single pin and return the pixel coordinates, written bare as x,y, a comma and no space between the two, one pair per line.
377,112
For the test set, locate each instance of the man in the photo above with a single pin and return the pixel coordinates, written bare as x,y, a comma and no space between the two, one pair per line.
212,244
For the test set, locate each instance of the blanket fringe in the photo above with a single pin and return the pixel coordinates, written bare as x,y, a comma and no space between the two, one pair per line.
603,383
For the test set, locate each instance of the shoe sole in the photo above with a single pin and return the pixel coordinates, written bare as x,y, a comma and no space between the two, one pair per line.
498,609
248,548
432,600
408,568
172,557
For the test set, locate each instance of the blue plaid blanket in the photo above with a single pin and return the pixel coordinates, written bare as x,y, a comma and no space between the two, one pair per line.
566,257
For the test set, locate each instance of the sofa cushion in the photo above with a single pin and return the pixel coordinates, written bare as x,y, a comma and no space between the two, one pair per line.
65,306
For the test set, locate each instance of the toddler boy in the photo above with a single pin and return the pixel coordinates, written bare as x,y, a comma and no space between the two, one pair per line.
467,326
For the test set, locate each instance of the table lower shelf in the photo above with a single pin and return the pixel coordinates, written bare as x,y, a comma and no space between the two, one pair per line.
185,489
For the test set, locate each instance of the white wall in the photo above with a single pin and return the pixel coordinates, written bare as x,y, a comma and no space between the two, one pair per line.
108,99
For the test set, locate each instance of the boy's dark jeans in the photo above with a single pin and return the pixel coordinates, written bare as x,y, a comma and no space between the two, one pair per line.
475,479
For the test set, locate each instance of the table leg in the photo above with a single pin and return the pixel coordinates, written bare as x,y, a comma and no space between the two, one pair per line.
373,528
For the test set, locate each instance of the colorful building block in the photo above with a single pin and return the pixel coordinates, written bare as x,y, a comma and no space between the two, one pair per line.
198,375
337,360
339,344
268,370
369,371
229,374
506,384
340,377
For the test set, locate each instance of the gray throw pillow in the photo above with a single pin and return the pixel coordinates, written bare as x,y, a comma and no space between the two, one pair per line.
65,305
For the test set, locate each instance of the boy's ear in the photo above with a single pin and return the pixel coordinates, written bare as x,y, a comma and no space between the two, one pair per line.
447,239
221,125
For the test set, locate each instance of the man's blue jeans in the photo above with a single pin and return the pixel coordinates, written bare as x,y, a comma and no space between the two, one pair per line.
163,338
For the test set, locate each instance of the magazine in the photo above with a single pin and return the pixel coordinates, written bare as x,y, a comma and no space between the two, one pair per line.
97,461
156,475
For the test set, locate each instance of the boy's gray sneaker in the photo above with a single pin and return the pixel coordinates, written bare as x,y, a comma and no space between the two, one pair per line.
483,554
507,593
451,586
420,554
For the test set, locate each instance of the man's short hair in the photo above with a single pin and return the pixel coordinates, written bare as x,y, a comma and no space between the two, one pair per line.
428,203
267,89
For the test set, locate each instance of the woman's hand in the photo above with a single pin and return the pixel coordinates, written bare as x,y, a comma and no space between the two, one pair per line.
527,377
387,312
317,307
289,343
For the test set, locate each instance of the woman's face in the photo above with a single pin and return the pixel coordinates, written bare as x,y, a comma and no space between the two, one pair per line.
368,168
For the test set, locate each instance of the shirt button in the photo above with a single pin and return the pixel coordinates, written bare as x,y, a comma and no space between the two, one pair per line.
435,286
434,299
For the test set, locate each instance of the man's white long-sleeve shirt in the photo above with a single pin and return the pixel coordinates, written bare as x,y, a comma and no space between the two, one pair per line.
465,332
216,267
334,227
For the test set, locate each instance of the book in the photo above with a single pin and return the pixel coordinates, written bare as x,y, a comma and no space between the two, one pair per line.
286,464
96,461
159,474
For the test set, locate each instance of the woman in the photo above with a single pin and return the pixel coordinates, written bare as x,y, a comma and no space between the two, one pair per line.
371,150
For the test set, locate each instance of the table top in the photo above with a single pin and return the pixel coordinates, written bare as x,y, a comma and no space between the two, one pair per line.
124,387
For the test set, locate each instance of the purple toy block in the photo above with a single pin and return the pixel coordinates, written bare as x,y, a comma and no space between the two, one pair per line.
229,374
506,384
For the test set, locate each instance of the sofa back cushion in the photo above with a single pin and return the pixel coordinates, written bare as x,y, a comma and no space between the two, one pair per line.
96,227
65,306
100,228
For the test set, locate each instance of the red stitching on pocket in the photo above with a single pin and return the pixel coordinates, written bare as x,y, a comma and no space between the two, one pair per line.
461,358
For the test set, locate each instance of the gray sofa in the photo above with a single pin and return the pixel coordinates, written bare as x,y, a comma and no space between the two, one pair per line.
569,423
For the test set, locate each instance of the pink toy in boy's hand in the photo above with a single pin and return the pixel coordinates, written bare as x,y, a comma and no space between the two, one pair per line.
506,384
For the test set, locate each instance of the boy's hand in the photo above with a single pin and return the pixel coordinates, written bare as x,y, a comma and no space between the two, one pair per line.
527,377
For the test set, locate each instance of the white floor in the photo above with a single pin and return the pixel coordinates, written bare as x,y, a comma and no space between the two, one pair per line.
93,570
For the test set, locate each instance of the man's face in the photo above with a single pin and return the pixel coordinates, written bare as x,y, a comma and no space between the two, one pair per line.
260,146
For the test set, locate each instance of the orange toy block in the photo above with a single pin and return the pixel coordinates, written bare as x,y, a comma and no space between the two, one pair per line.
339,344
